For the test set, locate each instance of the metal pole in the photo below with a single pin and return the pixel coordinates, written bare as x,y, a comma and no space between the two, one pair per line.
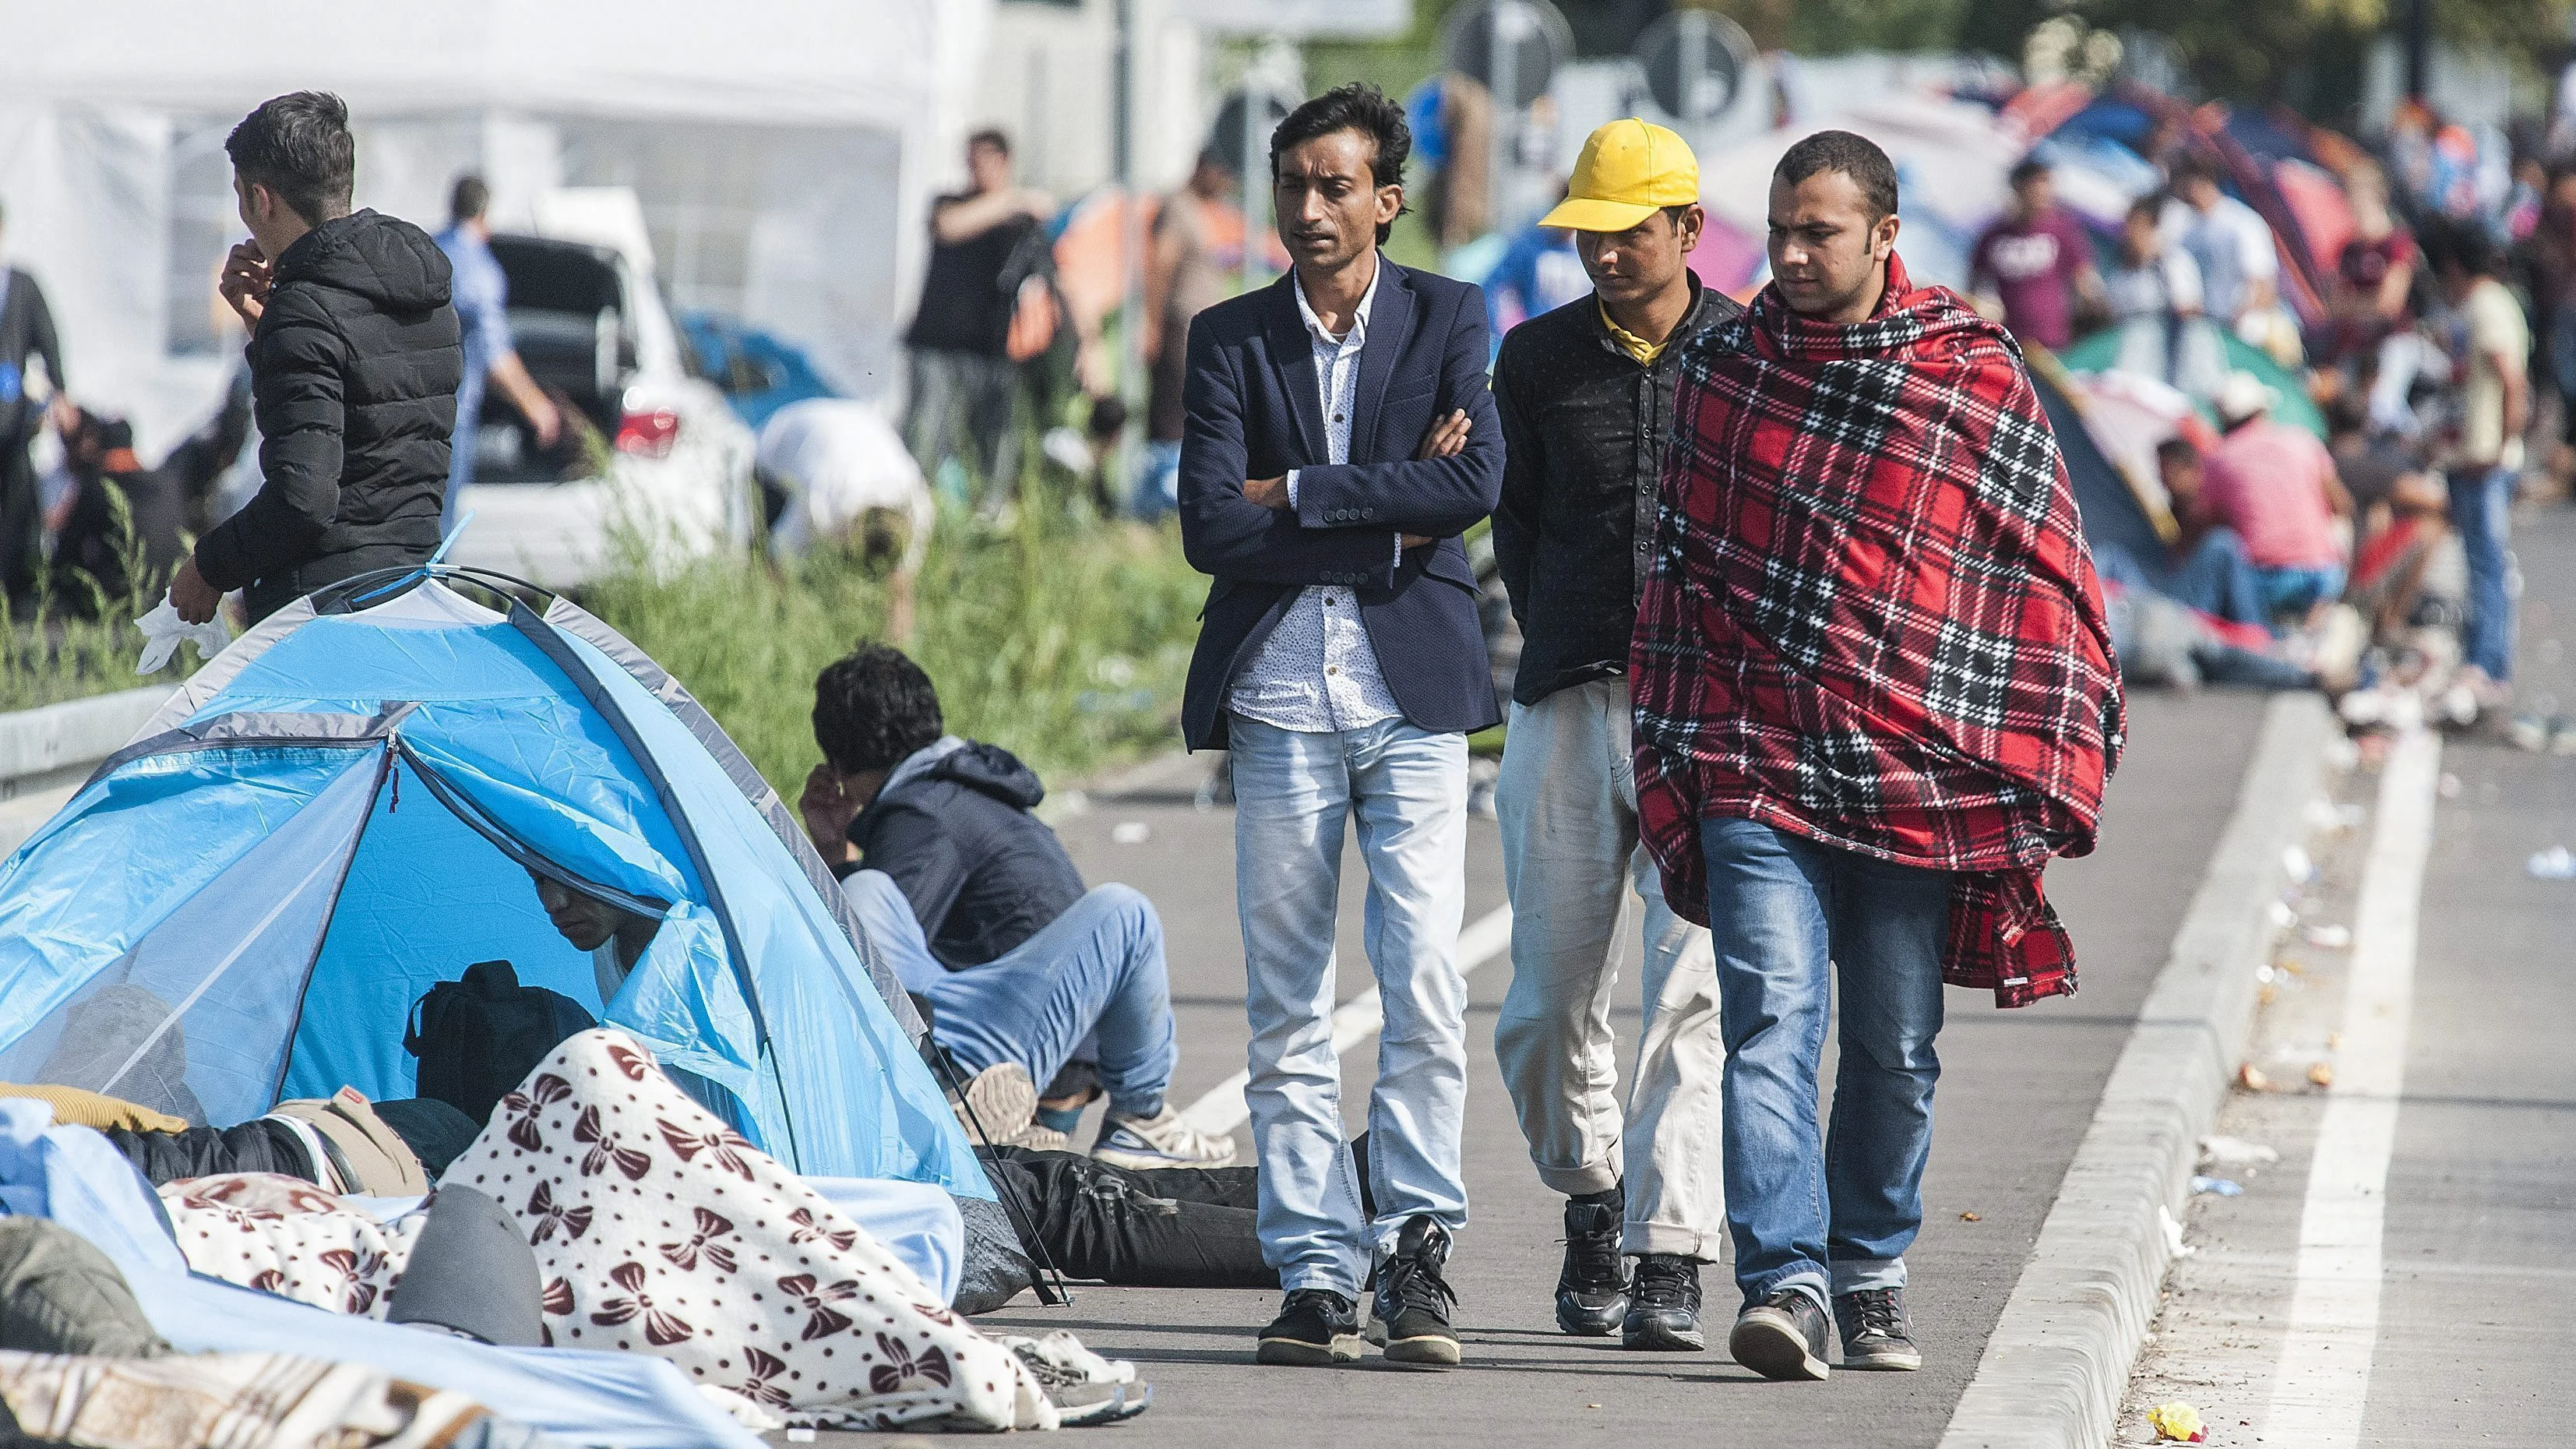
1690,62
2419,48
1498,111
1131,306
1256,184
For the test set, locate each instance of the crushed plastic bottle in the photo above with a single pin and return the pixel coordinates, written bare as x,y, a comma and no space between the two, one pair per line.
2177,1421
2555,863
2217,1186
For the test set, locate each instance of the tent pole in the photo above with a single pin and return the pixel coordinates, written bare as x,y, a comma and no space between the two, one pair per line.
1023,1215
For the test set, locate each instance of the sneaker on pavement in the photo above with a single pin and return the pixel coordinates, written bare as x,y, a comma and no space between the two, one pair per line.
1413,1298
1782,1337
1663,1308
1592,1287
1165,1139
999,1106
1316,1328
1876,1332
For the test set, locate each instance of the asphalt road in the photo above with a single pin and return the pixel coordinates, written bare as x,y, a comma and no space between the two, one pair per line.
2017,1094
2473,1215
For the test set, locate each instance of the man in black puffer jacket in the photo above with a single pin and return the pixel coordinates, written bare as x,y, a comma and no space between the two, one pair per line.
354,361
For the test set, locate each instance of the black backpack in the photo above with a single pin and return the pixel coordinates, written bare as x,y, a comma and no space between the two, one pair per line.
478,1038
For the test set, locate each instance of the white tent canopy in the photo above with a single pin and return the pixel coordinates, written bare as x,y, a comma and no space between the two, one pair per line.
784,154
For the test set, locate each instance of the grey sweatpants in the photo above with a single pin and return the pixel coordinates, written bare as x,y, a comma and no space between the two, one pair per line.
1568,801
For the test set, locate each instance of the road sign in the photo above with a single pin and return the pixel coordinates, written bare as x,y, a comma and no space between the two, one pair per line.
1298,17
1513,46
1694,61
1237,134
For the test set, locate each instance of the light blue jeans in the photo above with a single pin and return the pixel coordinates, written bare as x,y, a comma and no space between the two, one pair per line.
1828,1214
1406,791
2482,510
1095,971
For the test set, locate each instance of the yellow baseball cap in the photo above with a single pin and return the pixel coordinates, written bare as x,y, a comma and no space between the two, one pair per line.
1629,170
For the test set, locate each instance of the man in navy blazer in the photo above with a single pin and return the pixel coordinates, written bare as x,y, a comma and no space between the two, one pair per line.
1339,438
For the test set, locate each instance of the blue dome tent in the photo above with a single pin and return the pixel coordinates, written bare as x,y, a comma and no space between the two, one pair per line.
352,803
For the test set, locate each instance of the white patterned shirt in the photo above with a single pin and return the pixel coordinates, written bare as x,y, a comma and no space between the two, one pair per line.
1317,672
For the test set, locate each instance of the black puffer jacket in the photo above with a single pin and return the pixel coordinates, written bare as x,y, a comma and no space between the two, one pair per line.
981,873
354,371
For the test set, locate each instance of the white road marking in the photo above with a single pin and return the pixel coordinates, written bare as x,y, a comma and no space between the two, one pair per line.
2322,1382
1354,1021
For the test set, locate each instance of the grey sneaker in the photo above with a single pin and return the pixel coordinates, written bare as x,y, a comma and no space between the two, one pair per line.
1876,1332
1784,1336
1003,1102
1166,1139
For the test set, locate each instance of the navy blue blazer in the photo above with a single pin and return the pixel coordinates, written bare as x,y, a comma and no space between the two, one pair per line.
1253,412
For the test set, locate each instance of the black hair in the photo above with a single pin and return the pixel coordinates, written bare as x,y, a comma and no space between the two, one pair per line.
993,136
2466,245
469,200
2347,414
1353,107
2177,449
2029,168
299,147
114,433
2151,206
2193,168
874,708
1857,157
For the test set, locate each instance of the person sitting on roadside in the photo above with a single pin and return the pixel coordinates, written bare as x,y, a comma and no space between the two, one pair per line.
2207,568
1033,965
2276,486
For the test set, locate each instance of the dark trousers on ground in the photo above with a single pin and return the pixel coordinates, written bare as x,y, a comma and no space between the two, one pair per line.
1181,1227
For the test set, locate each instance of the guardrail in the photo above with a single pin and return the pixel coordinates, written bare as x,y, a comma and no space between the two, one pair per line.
46,753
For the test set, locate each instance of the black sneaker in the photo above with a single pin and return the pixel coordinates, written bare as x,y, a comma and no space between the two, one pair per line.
1316,1328
1592,1287
1413,1299
1876,1332
1663,1314
1782,1337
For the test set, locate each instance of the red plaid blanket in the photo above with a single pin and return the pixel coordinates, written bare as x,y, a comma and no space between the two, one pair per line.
1873,622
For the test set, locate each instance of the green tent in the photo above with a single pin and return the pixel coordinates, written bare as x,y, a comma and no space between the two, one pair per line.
2096,353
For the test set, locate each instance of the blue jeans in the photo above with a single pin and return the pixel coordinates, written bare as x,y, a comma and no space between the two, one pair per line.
1158,481
1295,794
460,457
1095,971
2297,590
2217,579
2482,510
1829,1215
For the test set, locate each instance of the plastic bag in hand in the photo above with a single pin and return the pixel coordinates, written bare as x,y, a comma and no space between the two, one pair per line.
163,629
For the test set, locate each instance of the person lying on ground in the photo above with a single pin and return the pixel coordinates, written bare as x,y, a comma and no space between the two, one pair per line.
947,823
657,1229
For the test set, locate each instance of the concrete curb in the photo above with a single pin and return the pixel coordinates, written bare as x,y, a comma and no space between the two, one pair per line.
2057,1367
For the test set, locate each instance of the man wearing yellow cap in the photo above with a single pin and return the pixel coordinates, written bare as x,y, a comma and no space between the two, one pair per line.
1586,396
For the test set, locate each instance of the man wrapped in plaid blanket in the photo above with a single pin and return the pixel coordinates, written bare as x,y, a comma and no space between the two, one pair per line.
1874,622
1874,695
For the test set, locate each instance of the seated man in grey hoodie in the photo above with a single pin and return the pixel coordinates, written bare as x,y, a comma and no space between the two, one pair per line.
1024,969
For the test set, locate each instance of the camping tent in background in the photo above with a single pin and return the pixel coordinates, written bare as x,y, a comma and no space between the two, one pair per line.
2128,416
2114,514
348,806
2099,352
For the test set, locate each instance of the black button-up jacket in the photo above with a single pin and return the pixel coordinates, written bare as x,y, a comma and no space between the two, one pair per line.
1584,429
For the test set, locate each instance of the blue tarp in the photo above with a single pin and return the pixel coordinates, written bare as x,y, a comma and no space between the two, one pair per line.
347,810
